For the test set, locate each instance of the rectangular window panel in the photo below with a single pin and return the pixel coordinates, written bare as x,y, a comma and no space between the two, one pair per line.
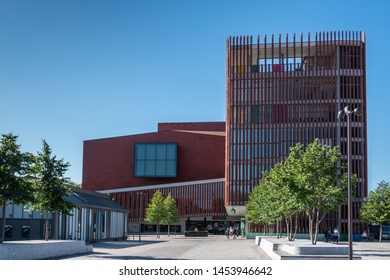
160,168
140,167
171,168
140,152
18,211
150,168
150,152
161,152
155,159
172,151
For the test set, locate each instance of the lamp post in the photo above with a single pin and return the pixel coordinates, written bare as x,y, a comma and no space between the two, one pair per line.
139,194
341,114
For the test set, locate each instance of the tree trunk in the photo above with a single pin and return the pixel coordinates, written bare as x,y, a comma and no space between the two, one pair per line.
277,230
295,226
287,228
380,232
47,227
316,226
4,222
168,231
311,226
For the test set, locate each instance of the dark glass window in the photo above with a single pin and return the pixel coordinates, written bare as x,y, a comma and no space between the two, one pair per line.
155,160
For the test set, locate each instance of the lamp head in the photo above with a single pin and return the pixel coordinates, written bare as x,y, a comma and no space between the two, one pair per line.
341,114
357,111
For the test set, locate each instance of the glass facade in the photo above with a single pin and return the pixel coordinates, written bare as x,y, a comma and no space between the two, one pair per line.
155,160
20,211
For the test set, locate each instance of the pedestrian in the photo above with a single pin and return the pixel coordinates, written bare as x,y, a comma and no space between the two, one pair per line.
235,233
328,235
231,231
364,236
336,235
227,233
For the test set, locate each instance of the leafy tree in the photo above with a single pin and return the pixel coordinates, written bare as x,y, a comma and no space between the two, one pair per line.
274,200
50,185
155,212
283,179
14,169
309,181
171,212
263,206
320,184
376,206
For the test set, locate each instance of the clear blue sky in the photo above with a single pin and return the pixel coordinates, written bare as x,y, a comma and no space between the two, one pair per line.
84,69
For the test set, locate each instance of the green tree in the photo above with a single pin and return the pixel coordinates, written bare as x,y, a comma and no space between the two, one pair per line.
274,200
50,186
14,170
321,185
155,212
283,180
263,206
171,212
310,180
376,206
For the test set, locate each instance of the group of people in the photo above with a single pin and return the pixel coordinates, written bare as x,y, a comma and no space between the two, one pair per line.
335,236
231,232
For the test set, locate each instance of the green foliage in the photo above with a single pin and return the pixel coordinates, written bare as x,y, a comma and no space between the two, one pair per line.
50,185
376,206
155,212
263,206
321,183
14,170
161,210
170,209
310,180
171,212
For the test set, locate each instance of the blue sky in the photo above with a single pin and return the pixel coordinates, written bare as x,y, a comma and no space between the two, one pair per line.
84,69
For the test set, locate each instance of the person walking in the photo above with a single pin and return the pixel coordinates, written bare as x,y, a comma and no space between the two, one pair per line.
227,233
235,233
364,236
336,235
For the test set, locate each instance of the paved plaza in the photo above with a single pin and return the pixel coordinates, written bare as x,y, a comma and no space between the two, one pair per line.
213,247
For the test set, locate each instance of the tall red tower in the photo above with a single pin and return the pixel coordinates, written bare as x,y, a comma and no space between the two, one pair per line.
285,90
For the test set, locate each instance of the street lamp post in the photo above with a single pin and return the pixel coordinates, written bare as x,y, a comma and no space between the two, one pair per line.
341,114
139,194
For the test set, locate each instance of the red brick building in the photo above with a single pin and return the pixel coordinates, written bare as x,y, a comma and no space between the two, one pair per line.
184,159
286,90
279,91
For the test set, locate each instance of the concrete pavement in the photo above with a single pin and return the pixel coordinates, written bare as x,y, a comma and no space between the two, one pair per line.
213,247
302,249
372,250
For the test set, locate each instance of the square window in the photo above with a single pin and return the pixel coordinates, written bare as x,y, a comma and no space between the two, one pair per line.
155,159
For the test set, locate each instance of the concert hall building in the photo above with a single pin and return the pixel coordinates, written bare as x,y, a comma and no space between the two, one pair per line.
184,159
279,91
